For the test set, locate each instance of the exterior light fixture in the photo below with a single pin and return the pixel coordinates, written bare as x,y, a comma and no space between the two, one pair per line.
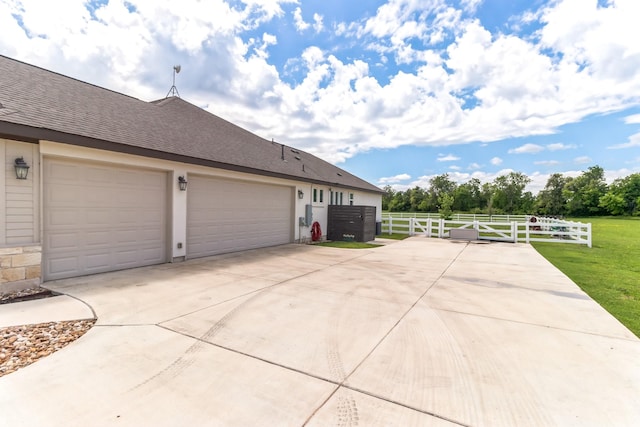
300,194
22,168
182,183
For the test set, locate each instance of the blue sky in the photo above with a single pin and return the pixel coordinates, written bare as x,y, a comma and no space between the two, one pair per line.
394,91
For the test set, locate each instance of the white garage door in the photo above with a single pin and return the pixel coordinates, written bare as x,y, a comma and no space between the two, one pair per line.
227,216
100,218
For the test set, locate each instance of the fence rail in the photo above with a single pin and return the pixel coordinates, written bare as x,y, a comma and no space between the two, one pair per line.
528,229
459,216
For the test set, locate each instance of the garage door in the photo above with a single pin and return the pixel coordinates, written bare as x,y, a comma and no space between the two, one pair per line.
227,216
100,218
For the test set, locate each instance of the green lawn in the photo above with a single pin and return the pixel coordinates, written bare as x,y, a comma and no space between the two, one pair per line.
610,271
394,236
348,245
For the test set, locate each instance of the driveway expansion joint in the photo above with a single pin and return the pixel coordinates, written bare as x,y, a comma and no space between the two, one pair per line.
538,325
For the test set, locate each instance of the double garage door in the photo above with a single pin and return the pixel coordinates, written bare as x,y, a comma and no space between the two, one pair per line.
100,218
103,217
227,215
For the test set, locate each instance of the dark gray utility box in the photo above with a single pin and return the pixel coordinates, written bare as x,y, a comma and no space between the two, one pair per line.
351,223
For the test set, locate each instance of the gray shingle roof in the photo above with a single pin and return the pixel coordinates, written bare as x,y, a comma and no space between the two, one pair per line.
40,104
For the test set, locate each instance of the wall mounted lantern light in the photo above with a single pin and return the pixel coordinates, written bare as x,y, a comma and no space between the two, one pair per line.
182,183
22,168
300,194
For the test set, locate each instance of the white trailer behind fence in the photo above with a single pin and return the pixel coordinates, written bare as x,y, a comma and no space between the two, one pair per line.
513,228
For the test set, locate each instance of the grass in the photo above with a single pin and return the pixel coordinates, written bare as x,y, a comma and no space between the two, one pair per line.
394,236
610,271
348,245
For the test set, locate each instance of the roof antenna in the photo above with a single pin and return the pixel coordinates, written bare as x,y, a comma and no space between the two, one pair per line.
174,90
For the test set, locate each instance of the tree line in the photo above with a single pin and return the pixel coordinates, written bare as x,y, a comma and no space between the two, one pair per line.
585,195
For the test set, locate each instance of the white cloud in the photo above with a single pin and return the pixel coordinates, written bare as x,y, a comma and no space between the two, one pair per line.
633,119
474,166
547,162
527,149
560,146
447,158
600,38
582,160
635,161
496,161
482,87
299,21
318,24
394,179
455,168
471,5
634,141
612,175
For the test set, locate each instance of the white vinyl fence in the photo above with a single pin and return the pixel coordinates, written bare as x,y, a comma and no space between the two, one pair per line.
519,229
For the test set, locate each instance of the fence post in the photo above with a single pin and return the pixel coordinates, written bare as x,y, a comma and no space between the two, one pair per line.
526,228
589,234
441,228
390,224
429,225
514,231
411,227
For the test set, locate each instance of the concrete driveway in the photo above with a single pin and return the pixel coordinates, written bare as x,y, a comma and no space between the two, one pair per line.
421,332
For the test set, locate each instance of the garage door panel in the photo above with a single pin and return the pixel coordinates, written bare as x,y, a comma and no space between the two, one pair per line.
97,238
226,215
97,261
101,218
68,217
63,240
62,172
64,266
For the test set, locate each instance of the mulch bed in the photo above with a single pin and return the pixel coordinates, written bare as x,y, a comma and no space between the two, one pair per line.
22,345
26,295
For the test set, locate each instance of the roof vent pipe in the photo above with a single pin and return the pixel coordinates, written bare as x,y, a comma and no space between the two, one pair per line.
282,151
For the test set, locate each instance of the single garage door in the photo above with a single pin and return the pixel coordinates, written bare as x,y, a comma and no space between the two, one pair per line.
101,217
227,216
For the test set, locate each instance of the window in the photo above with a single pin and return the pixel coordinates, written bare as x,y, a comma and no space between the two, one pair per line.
351,199
336,197
315,195
331,194
321,195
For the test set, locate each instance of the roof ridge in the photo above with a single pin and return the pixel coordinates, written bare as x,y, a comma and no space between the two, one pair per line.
71,78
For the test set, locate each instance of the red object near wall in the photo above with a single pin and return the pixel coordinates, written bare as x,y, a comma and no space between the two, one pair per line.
316,232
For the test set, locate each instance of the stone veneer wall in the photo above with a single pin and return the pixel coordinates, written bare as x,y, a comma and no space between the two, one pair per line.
20,267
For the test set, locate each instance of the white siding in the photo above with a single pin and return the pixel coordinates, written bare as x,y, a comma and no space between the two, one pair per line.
19,205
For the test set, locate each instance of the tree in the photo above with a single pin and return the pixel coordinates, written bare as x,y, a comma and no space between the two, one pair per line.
387,197
445,201
417,196
509,191
439,185
488,193
551,201
623,196
613,203
583,193
400,202
468,196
